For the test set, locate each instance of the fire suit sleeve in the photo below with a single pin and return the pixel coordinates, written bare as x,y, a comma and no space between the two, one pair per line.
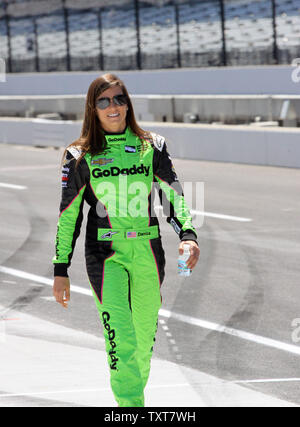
74,182
170,192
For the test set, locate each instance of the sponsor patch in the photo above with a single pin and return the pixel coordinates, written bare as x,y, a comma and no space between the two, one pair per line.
75,152
130,149
116,139
158,141
115,171
131,234
65,177
108,235
101,162
66,162
146,233
175,226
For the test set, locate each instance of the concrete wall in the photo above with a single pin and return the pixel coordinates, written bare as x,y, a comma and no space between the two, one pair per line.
218,81
38,132
235,144
240,144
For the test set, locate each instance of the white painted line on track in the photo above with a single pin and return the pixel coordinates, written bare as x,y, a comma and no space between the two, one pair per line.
271,380
268,342
214,215
257,339
89,390
40,279
28,168
221,216
12,186
171,339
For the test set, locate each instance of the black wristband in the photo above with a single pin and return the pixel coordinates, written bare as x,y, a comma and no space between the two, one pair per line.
188,235
61,270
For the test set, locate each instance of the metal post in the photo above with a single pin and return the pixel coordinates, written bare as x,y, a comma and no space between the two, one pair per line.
9,61
275,46
138,40
36,45
101,57
65,9
177,34
223,20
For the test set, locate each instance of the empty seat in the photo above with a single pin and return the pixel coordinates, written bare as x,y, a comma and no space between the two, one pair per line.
248,24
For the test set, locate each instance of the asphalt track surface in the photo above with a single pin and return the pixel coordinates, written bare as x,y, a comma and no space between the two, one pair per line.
234,320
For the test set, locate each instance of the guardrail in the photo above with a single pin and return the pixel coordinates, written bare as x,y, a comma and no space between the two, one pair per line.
233,109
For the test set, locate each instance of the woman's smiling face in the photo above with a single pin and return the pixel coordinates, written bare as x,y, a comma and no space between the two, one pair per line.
112,118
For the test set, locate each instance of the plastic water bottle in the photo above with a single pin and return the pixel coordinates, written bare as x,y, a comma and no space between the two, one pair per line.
183,270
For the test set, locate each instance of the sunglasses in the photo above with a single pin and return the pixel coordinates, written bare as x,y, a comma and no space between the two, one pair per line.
119,100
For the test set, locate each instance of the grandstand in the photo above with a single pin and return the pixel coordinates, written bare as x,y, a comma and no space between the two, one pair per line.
58,35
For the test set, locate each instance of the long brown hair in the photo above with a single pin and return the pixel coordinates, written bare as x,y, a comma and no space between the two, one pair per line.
92,138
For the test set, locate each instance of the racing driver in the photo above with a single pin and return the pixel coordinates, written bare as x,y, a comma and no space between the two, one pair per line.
114,167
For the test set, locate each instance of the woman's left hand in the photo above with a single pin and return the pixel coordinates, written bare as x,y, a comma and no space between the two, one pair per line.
194,251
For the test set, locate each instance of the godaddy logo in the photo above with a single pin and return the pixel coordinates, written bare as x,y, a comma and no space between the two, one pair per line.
115,171
111,336
116,139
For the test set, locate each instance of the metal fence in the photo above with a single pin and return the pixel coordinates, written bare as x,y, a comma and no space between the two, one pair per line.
81,35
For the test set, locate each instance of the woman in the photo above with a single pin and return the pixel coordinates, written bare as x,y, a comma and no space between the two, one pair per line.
112,167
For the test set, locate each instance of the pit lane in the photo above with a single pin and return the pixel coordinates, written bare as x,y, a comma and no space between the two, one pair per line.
247,278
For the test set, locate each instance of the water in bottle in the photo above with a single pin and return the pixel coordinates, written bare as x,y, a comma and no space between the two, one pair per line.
183,270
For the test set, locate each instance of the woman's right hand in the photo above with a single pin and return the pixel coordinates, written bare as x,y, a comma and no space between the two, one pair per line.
61,290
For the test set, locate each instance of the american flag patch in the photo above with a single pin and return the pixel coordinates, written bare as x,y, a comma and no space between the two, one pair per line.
131,234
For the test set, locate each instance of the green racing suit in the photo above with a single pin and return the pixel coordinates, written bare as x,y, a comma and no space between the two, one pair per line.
125,259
